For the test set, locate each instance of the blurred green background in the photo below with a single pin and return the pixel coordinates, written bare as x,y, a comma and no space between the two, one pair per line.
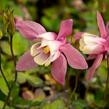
36,89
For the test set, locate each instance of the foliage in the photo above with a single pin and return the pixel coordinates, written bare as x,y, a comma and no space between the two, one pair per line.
36,89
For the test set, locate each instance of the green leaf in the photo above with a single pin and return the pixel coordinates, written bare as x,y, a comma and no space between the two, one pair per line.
3,86
1,104
79,104
2,96
20,45
31,79
5,47
50,24
21,78
58,104
21,103
34,81
15,91
8,69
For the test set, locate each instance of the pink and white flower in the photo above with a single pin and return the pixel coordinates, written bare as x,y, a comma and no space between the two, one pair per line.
91,44
49,48
94,45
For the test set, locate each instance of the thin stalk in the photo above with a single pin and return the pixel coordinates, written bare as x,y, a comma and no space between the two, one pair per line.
107,80
76,84
15,79
14,59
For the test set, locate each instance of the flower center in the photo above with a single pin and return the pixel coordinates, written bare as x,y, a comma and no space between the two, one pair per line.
46,49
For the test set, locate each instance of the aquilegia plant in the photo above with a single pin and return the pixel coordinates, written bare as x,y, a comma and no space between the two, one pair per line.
49,48
95,46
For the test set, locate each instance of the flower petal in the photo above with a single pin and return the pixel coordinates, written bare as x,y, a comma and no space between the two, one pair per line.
95,65
78,35
91,44
107,27
41,58
91,38
59,68
25,62
48,36
52,58
65,29
91,56
101,25
34,49
29,29
53,45
74,57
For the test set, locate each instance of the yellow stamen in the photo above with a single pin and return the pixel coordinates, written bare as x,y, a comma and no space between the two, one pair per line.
46,50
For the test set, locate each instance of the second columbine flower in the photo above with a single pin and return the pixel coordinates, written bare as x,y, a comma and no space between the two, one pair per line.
96,47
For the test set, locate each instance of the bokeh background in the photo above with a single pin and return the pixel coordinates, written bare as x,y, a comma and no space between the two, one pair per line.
36,89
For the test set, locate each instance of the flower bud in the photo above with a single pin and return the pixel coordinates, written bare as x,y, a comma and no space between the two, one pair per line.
91,44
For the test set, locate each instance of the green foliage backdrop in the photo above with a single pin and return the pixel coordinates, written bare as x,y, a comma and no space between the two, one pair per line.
36,89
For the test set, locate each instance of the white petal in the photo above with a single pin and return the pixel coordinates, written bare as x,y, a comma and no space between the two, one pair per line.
34,49
52,58
48,36
91,39
53,45
41,58
90,43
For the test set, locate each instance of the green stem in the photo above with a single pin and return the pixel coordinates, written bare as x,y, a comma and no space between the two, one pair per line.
76,84
107,80
14,60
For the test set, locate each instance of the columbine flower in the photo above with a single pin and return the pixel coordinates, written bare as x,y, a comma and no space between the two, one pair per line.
95,46
50,49
91,44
